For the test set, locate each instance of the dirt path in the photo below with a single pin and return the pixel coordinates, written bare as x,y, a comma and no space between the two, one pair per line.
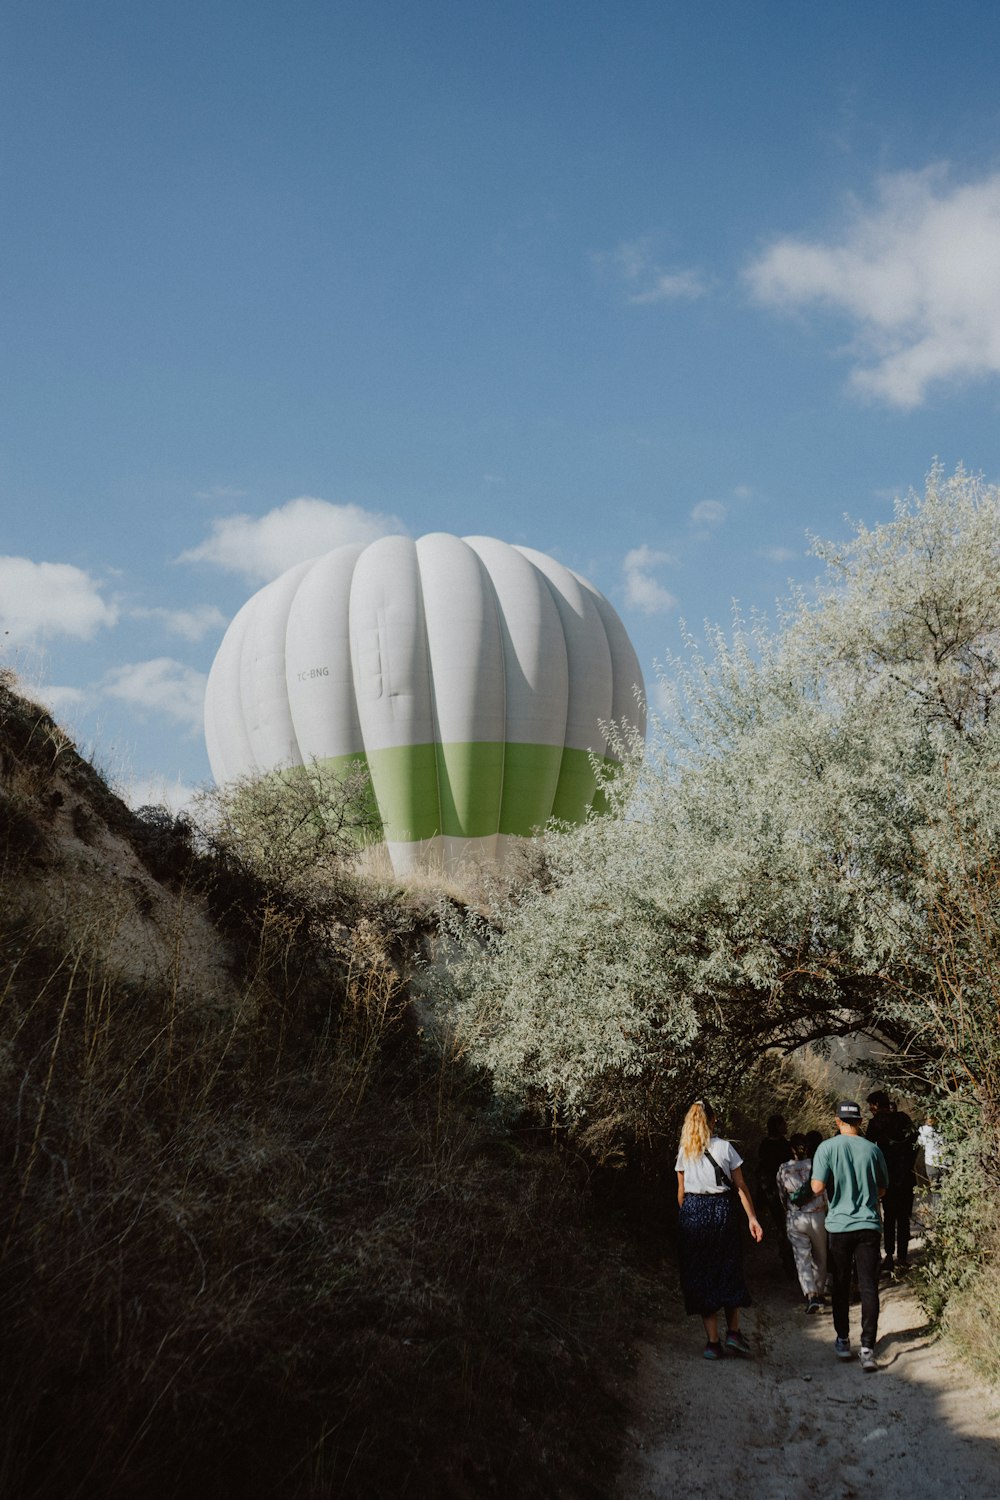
794,1422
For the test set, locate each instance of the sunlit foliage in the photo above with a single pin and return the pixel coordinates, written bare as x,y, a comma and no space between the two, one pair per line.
768,870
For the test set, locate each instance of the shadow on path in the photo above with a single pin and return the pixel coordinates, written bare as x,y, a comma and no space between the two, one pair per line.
794,1422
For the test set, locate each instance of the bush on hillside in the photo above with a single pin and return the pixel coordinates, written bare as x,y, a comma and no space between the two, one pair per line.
299,829
257,1239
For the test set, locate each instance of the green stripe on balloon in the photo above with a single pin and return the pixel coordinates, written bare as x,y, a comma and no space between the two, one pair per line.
530,778
405,779
470,787
577,785
476,789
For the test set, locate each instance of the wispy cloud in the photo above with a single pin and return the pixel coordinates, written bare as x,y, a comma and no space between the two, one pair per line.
918,275
888,494
39,600
58,700
261,547
190,624
161,686
634,261
643,590
220,492
778,554
709,513
669,286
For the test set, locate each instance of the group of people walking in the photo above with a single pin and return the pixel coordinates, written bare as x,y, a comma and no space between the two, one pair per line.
833,1199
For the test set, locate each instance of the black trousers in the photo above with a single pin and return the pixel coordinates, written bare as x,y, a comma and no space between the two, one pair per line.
862,1248
897,1207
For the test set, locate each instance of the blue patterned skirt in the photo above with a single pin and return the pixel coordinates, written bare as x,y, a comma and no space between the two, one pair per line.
710,1253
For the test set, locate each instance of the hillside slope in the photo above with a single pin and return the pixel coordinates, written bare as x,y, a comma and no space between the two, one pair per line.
257,1237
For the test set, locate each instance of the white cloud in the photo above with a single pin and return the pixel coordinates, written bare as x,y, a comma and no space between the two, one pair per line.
156,791
643,590
779,554
261,547
669,286
918,274
634,262
58,700
161,686
709,513
191,624
47,599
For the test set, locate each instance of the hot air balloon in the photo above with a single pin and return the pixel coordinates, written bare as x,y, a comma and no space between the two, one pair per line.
471,676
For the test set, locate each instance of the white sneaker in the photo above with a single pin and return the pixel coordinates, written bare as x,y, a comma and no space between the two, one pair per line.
866,1358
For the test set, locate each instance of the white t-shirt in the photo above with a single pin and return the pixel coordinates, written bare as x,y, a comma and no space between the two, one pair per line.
933,1144
699,1174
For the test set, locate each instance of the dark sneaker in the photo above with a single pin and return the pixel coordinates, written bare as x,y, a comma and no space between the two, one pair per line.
814,1304
737,1343
867,1358
712,1351
888,1265
842,1349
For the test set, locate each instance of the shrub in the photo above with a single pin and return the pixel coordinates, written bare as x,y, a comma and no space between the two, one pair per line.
299,828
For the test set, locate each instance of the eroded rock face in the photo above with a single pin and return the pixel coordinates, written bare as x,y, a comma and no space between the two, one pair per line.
74,864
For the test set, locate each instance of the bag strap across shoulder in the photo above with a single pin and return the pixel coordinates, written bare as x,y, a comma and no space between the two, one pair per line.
722,1180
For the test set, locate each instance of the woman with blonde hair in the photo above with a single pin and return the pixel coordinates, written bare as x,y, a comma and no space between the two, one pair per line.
709,1178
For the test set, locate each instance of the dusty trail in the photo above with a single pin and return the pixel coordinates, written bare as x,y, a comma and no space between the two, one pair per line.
794,1422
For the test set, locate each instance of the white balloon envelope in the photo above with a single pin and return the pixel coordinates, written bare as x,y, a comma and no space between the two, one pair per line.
472,677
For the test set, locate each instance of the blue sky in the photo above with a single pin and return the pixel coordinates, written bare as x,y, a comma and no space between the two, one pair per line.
656,288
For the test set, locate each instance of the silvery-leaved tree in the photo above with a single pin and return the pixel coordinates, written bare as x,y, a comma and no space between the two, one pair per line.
773,862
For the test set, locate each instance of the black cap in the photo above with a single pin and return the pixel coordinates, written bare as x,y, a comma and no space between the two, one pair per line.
849,1112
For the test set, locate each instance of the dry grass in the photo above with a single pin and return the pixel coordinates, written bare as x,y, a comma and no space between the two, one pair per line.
484,886
972,1317
257,1240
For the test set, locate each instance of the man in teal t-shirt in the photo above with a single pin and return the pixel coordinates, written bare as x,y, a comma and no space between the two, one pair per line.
855,1176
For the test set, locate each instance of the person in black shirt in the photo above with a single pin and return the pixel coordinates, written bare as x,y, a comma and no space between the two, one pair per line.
895,1134
771,1152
